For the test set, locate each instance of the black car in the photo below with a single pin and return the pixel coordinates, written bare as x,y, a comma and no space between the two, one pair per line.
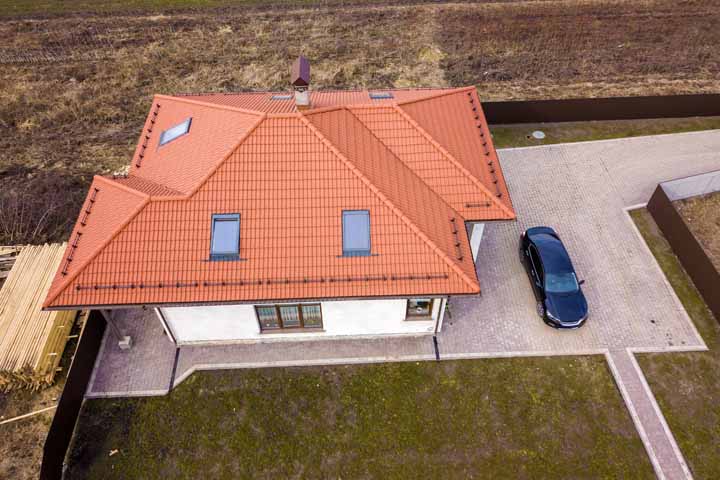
560,300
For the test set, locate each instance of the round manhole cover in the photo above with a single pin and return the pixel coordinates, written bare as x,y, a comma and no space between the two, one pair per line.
538,134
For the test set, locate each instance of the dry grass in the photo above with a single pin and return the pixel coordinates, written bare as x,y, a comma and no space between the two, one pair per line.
595,48
74,89
702,214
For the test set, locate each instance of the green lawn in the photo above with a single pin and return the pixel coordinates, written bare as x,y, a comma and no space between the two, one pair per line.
558,417
686,385
520,135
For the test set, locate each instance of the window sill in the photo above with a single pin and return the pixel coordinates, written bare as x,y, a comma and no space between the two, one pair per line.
419,319
275,331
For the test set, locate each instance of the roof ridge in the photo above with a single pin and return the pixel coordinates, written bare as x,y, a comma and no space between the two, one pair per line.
219,106
415,229
69,278
119,185
320,90
437,95
114,180
452,159
146,199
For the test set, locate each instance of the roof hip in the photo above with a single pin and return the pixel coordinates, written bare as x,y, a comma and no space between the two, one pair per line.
55,292
218,106
453,160
414,228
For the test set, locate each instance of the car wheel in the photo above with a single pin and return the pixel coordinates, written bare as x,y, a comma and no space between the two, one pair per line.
522,256
540,309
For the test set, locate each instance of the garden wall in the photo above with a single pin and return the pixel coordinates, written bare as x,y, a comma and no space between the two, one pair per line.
66,414
686,246
590,109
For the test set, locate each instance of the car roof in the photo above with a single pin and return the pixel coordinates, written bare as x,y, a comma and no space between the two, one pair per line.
553,254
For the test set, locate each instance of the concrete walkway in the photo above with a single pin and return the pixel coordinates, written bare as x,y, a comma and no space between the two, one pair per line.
666,458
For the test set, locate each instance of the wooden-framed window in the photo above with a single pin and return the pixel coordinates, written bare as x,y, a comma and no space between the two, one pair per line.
289,317
419,309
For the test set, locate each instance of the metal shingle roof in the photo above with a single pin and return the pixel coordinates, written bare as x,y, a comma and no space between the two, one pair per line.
290,175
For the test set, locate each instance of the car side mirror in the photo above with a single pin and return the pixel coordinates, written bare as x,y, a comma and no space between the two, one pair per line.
581,282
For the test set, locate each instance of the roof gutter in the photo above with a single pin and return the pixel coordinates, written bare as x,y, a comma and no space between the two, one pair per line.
252,302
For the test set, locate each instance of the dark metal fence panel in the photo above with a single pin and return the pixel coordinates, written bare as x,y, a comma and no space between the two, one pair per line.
691,254
588,109
66,414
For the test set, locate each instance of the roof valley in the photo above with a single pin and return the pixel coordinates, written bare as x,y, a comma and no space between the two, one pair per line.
397,211
296,169
478,183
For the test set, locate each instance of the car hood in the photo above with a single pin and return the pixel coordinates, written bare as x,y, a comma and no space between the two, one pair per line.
567,307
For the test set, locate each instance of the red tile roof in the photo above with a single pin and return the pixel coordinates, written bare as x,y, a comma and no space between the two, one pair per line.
284,102
422,163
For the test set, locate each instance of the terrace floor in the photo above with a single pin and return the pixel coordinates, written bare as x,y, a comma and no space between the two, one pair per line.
583,191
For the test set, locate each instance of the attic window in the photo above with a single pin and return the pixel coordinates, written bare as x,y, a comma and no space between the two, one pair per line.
281,97
356,233
174,132
225,238
381,95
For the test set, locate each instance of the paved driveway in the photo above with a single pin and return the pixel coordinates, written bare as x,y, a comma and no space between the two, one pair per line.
582,190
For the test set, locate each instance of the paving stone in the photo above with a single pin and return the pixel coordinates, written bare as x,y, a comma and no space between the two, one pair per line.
581,190
659,441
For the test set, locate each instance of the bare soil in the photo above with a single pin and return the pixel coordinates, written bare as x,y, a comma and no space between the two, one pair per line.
75,87
21,448
702,214
23,440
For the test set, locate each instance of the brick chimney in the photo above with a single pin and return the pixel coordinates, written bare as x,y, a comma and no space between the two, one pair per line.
300,80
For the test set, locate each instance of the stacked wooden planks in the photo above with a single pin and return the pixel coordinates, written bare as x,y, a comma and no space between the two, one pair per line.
31,340
7,260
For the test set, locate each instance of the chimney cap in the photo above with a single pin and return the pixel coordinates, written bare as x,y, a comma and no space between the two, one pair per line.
300,72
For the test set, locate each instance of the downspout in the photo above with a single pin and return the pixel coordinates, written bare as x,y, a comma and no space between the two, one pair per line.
441,312
441,315
165,325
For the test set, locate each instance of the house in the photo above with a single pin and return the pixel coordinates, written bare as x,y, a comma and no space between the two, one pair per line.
308,214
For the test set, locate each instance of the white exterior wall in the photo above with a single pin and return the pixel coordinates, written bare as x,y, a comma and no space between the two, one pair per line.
475,232
232,323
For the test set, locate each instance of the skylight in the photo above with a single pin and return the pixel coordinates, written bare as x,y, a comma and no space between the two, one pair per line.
356,233
174,132
380,95
281,97
225,239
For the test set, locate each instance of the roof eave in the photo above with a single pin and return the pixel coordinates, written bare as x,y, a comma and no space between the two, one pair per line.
258,301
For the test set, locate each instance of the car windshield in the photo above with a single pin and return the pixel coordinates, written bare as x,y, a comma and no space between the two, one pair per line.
561,283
